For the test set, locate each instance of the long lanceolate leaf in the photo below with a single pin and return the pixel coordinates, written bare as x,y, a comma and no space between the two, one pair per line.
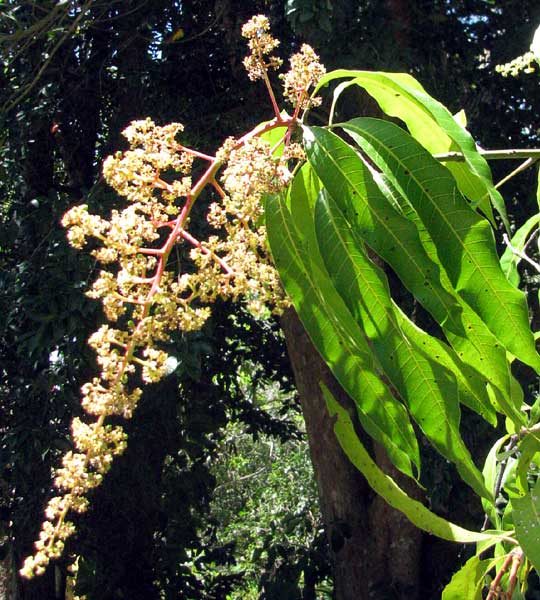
463,239
402,96
471,387
396,240
338,338
428,386
386,487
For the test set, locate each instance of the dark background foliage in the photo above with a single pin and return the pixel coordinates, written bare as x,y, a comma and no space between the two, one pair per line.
73,75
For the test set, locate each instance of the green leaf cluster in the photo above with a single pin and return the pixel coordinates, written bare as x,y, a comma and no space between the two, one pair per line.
373,200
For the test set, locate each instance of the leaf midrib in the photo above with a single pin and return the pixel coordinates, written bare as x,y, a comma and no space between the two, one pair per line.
425,194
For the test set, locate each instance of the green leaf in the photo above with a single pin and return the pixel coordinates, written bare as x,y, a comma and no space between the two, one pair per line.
534,413
400,95
427,385
466,584
301,201
529,449
336,335
388,489
463,240
273,136
471,389
396,240
490,472
538,188
461,118
526,512
510,260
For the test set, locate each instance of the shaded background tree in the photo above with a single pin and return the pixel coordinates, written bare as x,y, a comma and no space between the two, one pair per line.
74,75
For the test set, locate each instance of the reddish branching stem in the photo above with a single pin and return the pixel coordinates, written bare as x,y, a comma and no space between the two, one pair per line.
268,85
512,561
195,242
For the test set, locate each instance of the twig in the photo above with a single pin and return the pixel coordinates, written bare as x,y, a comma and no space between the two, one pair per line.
243,478
188,237
511,153
268,84
494,589
531,238
30,86
522,167
519,253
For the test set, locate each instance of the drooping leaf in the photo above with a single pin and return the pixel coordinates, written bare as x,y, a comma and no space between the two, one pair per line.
526,511
338,338
300,202
490,472
388,489
428,386
462,239
396,240
347,277
466,584
400,95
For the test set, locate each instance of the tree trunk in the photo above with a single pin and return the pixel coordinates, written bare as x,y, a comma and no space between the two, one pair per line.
375,550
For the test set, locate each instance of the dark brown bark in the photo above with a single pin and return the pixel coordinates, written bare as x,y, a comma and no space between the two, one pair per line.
374,549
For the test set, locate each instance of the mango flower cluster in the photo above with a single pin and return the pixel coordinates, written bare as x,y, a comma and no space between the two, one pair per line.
305,71
251,172
127,294
143,298
261,43
525,62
